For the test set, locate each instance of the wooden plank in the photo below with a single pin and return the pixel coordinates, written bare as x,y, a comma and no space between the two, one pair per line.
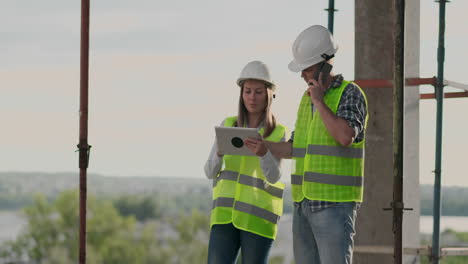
454,252
420,251
446,95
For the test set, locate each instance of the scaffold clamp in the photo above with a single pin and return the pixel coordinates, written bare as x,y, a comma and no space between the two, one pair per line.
84,151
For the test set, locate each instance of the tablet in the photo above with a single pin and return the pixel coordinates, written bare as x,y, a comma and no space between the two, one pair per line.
231,140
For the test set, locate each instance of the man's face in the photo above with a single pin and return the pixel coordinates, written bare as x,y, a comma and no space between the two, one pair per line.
309,73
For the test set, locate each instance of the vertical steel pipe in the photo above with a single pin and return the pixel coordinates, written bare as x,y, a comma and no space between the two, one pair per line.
83,146
398,118
331,12
439,91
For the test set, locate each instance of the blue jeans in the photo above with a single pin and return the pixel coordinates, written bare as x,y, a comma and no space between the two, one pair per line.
324,236
226,240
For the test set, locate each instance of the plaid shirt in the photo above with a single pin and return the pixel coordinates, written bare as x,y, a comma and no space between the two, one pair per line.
352,108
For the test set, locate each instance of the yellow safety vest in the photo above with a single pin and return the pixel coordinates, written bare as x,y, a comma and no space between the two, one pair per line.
323,169
243,197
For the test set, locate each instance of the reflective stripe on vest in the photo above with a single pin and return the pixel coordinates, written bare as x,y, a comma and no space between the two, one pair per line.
355,181
298,152
223,202
337,151
296,179
255,182
250,181
225,175
246,208
257,211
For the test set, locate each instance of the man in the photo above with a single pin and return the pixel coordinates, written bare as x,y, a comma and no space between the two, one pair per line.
327,148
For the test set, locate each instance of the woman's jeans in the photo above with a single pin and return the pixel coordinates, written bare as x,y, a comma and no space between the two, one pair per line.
226,240
324,236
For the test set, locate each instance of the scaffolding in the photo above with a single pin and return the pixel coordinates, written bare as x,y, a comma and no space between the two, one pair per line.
434,252
83,147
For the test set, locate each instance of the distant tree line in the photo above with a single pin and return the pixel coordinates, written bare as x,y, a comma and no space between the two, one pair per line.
163,226
114,236
454,200
172,195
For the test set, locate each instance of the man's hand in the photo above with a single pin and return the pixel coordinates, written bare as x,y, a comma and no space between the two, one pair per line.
257,146
316,90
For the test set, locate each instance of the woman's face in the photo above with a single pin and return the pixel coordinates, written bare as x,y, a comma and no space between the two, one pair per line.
255,96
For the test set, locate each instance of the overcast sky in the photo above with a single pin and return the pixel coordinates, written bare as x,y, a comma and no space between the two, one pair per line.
162,76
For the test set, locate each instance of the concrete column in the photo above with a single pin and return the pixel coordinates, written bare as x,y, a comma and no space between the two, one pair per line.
373,60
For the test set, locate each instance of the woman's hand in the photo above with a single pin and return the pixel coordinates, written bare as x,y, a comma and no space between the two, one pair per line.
257,146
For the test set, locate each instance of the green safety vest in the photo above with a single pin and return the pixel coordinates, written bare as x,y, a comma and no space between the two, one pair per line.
243,197
323,169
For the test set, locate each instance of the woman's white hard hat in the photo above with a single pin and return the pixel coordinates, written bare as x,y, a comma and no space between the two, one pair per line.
313,45
256,70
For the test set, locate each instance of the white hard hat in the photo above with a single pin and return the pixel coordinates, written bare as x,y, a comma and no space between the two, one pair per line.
256,70
312,46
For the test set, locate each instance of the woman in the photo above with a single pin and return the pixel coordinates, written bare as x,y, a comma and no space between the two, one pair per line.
247,197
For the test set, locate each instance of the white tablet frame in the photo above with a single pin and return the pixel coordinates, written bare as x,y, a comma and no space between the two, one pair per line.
226,135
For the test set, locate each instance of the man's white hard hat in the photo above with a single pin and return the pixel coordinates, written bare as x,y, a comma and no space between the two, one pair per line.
312,46
256,70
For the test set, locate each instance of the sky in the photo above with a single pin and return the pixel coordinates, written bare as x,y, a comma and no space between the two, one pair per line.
162,75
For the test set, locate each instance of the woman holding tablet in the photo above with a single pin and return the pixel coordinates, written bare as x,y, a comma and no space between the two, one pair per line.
247,197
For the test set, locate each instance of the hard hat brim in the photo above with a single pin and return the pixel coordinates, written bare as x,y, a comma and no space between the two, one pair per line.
241,80
294,66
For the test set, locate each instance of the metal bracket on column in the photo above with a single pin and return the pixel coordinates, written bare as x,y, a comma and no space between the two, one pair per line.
431,256
397,206
84,152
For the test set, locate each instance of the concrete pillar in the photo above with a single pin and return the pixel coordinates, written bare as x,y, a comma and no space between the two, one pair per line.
373,60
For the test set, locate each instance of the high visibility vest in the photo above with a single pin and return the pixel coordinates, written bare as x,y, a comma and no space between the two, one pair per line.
241,194
323,169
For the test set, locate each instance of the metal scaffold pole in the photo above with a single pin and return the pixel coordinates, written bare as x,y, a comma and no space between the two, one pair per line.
439,91
83,146
398,115
331,11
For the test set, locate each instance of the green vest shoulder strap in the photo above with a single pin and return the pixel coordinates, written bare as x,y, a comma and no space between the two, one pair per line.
278,133
230,121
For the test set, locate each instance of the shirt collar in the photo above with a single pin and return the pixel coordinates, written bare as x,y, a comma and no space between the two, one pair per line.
336,82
